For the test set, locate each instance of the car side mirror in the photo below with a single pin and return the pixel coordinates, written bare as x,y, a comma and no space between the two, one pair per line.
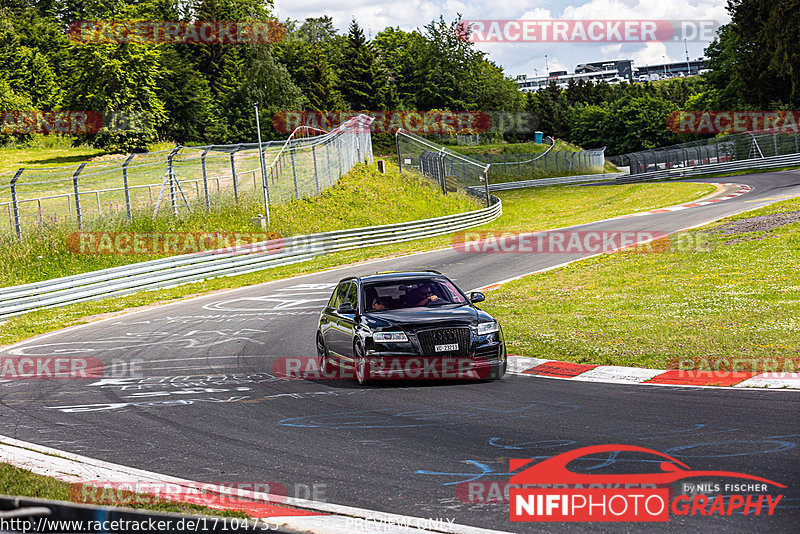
346,308
476,296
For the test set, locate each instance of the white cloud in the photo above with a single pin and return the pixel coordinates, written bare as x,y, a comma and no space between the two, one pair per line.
611,51
517,58
651,53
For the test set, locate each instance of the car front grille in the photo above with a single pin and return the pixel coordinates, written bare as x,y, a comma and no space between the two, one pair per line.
428,339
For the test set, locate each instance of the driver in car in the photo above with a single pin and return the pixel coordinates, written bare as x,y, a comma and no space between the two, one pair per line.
424,295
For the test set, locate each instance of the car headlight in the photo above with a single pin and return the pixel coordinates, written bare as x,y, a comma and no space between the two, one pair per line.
389,337
487,328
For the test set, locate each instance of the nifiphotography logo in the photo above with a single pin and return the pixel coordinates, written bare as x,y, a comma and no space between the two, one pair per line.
548,491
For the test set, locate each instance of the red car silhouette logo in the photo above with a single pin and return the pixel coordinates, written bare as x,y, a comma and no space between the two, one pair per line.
554,470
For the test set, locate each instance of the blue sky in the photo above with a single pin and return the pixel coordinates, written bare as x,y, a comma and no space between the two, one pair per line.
523,58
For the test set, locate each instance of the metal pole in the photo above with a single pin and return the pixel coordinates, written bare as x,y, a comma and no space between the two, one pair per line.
339,154
264,179
77,195
316,176
400,159
127,191
233,174
328,155
172,187
486,183
15,204
294,174
205,177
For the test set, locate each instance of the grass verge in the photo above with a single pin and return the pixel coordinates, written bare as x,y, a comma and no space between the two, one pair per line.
524,210
722,297
23,483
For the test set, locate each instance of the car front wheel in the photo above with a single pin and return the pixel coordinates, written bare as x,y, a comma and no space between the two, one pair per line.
323,357
361,365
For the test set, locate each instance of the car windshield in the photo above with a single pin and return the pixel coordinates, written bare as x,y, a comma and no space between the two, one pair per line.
400,294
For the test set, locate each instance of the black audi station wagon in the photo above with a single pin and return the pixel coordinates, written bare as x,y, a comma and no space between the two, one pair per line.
412,325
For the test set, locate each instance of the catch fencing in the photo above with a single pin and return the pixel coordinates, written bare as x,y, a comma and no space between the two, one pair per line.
181,179
470,172
547,163
452,172
758,148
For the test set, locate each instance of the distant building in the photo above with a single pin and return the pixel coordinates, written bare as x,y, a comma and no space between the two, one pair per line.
612,72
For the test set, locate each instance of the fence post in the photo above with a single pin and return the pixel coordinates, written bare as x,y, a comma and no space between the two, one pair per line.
328,155
775,142
15,204
294,174
400,159
171,172
339,153
205,177
486,184
796,146
77,195
314,157
233,174
505,167
127,190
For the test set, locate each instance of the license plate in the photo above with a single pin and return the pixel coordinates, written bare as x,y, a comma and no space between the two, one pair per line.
446,348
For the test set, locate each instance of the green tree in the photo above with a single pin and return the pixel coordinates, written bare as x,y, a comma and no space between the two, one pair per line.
364,81
322,93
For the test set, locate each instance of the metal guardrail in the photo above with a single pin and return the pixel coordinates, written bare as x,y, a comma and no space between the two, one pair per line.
195,267
769,162
559,180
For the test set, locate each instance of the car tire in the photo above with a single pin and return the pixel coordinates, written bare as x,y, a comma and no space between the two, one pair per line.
360,363
323,356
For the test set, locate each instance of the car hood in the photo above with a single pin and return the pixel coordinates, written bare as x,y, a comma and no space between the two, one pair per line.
415,318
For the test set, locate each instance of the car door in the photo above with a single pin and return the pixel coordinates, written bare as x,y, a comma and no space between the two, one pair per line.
329,319
344,330
348,322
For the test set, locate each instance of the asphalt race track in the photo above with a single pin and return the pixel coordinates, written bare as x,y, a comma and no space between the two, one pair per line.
203,403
